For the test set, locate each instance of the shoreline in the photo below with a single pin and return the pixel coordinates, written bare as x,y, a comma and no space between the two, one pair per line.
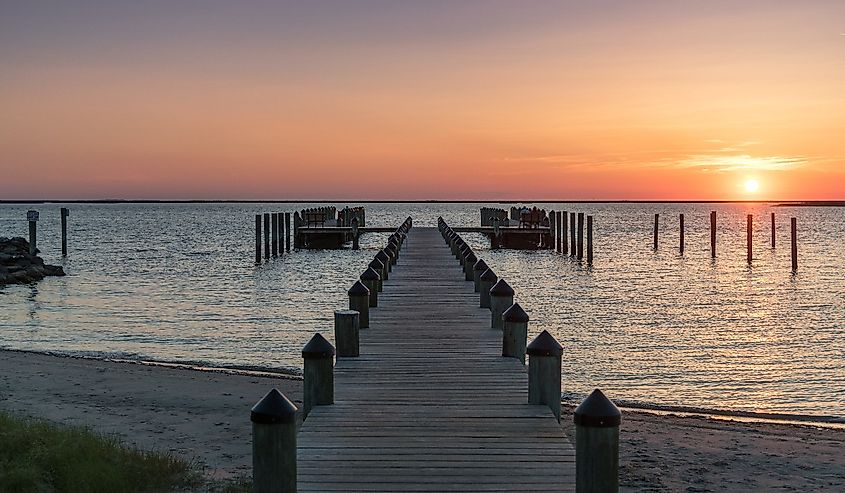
776,203
204,416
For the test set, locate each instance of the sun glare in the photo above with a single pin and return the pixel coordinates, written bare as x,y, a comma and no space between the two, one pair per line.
751,186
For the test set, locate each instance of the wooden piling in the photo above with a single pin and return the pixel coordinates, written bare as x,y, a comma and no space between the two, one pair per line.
565,228
773,229
317,373
552,228
486,281
501,298
274,444
65,212
656,229
359,300
355,234
346,333
794,237
32,219
681,246
544,366
266,235
713,234
597,422
287,231
749,236
274,235
580,236
559,230
258,238
572,233
514,332
370,278
589,240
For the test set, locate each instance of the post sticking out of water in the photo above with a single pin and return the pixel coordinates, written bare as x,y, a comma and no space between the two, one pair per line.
552,228
597,422
287,231
656,227
580,236
749,236
572,233
514,332
501,298
258,238
682,234
355,235
544,372
346,333
274,235
713,234
65,212
773,229
266,235
318,374
559,230
273,444
794,234
281,233
359,300
564,247
589,240
32,218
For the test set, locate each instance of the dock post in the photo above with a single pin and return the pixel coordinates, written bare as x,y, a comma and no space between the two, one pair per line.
681,246
564,231
544,365
597,422
514,332
572,234
287,232
32,219
318,374
589,240
656,228
469,265
346,333
477,269
559,230
355,234
274,235
552,228
749,236
65,212
501,298
370,278
773,229
580,236
377,266
273,444
713,234
297,223
794,236
266,235
258,238
384,258
485,283
359,300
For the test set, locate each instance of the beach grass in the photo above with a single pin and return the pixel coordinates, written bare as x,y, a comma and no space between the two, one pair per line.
37,455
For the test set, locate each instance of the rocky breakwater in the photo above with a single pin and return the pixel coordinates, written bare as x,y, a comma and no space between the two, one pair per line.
17,266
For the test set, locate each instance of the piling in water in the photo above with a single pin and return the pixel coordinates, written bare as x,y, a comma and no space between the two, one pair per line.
597,422
794,237
656,228
713,234
273,444
580,236
258,238
773,229
748,236
274,235
65,212
564,231
559,231
287,231
266,235
681,246
572,233
318,374
589,240
32,219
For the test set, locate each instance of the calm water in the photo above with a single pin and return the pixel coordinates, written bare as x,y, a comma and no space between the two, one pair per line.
176,282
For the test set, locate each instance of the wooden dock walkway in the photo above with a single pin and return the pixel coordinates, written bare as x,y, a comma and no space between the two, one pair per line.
430,404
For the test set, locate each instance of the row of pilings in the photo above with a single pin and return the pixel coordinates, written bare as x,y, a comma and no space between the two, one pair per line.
596,419
274,416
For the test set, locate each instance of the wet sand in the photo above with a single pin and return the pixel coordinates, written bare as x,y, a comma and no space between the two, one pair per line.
205,416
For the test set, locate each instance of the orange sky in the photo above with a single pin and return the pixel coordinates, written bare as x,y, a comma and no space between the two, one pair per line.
427,100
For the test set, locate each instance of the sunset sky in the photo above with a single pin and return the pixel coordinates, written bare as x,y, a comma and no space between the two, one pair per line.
489,100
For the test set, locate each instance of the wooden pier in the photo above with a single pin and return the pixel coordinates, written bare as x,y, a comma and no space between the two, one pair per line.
430,404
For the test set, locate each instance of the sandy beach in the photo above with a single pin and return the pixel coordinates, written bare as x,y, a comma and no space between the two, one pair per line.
205,416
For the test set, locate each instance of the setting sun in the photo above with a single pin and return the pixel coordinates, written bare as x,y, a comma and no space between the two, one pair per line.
751,186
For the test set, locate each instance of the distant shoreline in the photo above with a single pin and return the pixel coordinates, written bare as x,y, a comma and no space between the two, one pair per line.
776,203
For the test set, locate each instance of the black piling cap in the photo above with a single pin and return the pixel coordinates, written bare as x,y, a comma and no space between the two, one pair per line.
471,258
489,275
390,249
501,288
382,255
515,314
597,411
273,408
376,264
544,345
358,289
318,347
370,275
480,265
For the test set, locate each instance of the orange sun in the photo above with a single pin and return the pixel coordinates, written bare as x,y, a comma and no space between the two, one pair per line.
752,185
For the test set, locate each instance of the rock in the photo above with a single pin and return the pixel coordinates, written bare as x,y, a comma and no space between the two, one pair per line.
17,266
